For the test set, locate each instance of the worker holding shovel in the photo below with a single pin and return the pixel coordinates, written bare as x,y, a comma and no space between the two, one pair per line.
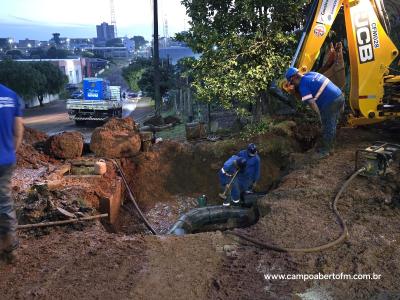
251,174
229,180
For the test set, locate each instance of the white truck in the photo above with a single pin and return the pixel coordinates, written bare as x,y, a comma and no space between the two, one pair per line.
100,102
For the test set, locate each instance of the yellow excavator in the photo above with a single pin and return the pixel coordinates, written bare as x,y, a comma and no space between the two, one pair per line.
374,94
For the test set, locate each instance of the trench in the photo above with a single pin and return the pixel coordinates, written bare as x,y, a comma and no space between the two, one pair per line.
156,181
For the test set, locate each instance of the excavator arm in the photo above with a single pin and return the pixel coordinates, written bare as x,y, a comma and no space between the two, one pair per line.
371,52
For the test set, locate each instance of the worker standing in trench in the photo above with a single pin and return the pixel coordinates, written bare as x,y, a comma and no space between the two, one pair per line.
11,134
229,180
325,98
249,176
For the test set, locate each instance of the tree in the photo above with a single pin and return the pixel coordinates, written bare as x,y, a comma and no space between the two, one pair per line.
54,80
15,54
38,53
133,73
139,41
167,79
245,44
53,52
21,77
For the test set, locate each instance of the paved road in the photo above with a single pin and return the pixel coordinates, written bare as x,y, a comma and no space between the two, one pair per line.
53,118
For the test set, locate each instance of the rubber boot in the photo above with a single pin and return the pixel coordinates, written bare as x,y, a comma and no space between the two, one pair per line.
8,245
226,203
236,202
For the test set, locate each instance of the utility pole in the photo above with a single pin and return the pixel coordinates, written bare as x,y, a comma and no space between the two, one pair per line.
156,62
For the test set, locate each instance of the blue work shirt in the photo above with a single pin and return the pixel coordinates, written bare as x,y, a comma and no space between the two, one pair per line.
316,86
230,166
9,109
251,173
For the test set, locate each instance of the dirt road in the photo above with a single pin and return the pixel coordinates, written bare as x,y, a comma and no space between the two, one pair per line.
53,118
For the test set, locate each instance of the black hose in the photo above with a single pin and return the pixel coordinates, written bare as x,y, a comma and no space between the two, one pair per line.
132,198
339,240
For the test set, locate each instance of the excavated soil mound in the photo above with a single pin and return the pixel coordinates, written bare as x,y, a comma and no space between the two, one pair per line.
116,139
31,154
32,136
65,145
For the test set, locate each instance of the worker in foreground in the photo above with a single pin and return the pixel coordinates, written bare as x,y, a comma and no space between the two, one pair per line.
251,174
229,180
11,133
325,98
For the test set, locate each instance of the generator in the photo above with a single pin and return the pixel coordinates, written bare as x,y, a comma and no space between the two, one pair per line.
376,159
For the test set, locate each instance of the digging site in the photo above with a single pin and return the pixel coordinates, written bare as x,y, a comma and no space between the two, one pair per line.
121,218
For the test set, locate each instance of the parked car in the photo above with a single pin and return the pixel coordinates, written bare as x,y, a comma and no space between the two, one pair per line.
77,95
132,95
71,87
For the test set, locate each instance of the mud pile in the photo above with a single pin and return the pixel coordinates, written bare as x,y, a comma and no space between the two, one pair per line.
58,196
65,145
31,153
116,139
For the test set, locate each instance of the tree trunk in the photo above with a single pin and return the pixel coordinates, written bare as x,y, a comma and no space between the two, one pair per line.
40,98
181,100
175,102
257,109
190,105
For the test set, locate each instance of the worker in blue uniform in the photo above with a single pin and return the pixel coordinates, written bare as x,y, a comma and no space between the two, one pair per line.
226,174
251,174
325,98
11,134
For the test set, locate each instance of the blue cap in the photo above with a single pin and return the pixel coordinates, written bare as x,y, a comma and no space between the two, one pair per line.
290,72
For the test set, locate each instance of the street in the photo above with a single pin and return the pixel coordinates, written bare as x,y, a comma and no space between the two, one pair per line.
53,117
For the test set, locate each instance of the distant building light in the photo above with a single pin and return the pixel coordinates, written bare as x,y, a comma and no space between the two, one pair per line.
29,46
10,41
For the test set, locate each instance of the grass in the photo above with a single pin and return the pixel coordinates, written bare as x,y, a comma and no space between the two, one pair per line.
175,133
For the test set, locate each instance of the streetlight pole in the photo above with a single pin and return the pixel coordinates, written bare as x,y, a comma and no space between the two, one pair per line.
156,62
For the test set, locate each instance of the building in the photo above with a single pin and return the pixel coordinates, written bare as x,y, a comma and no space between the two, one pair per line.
56,38
105,32
71,67
91,67
6,43
27,43
80,43
110,52
129,44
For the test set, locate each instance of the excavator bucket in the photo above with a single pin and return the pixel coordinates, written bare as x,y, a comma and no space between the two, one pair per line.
333,67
